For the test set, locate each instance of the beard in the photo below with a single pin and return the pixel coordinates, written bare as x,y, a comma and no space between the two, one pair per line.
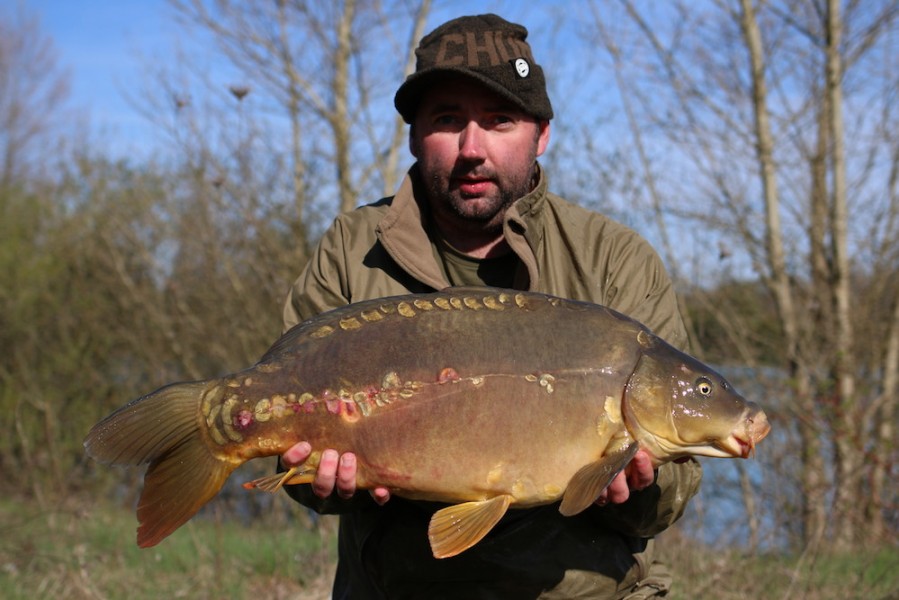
483,211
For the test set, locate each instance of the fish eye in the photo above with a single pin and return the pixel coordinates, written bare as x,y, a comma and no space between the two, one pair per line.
704,386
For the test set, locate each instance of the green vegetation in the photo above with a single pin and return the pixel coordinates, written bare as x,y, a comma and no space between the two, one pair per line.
709,572
82,549
85,549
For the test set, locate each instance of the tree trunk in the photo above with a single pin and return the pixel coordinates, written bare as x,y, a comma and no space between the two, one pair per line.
391,170
340,120
884,413
778,281
293,106
848,455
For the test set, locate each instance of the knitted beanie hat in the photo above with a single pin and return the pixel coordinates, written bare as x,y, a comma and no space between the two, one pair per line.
486,48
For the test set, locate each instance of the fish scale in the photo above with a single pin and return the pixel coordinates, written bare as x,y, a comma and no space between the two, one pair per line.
442,397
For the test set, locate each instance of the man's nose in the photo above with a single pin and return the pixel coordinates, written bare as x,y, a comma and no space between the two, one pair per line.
471,141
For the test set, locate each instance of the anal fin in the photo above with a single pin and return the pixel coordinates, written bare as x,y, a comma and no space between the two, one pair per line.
273,483
457,528
588,483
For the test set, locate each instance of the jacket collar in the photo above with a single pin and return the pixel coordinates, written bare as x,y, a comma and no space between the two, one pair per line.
523,228
403,231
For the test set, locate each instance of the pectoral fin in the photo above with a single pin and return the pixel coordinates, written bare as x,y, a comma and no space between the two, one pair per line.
589,482
457,528
302,474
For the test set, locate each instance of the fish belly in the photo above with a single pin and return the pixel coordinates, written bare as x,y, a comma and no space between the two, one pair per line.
478,437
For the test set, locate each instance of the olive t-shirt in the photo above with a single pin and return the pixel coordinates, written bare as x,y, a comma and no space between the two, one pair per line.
461,269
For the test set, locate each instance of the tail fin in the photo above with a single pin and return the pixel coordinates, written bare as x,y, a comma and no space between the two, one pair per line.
162,429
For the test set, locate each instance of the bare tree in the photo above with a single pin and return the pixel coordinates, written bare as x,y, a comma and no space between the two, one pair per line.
777,275
33,90
322,65
754,104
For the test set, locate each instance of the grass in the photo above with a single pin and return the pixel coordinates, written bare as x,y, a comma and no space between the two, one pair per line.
79,551
815,574
84,549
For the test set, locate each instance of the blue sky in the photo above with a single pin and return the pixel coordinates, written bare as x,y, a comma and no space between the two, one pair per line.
107,46
102,45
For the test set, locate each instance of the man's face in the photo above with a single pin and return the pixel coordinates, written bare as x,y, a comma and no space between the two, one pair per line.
476,152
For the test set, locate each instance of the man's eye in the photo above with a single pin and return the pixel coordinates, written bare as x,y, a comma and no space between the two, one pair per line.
501,121
445,120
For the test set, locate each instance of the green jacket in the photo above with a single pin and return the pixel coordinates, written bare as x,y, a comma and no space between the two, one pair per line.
383,249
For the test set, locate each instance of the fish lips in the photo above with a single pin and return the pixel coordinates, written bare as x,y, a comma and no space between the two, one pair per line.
742,441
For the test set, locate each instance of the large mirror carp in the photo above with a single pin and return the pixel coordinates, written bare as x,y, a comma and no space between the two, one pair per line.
478,397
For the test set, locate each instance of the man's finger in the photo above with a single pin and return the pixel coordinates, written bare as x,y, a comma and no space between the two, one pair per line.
640,472
346,476
615,493
296,454
380,495
326,475
618,490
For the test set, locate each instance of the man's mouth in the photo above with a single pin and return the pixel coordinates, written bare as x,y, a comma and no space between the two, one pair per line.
471,186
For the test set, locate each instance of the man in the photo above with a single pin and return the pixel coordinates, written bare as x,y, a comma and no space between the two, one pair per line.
474,210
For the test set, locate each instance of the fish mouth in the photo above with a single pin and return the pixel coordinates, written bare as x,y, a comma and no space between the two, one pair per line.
733,446
754,429
745,447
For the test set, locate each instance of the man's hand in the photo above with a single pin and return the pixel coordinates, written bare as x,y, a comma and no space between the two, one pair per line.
637,475
335,472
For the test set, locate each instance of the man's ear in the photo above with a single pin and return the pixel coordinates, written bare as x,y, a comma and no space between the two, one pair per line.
542,136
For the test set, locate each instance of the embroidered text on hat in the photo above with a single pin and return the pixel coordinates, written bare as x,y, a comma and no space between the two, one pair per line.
494,47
